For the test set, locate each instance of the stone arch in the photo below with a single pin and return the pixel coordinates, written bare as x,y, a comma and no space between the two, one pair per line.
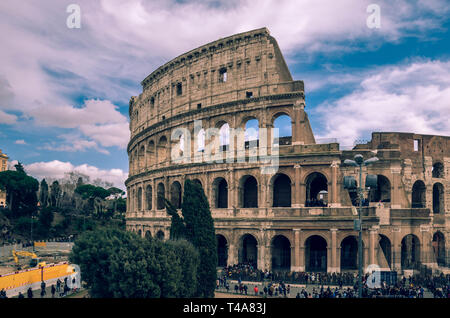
248,192
438,244
141,160
248,250
161,194
438,198
220,188
281,253
316,254
281,190
139,232
283,122
384,251
162,149
148,234
382,192
251,129
139,199
151,153
175,194
410,252
315,182
437,170
160,235
149,197
349,253
418,195
222,250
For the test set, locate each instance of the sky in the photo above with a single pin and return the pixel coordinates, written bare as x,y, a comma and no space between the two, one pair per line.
64,92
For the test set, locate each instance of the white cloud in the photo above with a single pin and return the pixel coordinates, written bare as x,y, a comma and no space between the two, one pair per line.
6,118
20,142
410,98
56,169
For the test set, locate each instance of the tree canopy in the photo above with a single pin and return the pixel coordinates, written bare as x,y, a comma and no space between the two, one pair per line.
117,263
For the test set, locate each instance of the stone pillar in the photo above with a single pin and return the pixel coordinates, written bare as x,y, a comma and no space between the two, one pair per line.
334,265
396,251
333,196
296,187
372,240
295,267
396,188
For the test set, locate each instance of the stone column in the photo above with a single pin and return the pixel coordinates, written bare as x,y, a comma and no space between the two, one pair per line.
296,187
334,265
396,251
396,188
295,267
372,240
333,199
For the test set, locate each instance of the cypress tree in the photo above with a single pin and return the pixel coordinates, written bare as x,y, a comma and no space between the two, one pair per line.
199,230
177,227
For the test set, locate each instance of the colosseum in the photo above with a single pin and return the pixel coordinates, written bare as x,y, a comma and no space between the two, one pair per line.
298,217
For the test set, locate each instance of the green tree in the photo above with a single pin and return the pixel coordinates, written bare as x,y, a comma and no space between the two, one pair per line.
197,226
117,263
45,221
95,195
43,195
20,190
55,194
177,227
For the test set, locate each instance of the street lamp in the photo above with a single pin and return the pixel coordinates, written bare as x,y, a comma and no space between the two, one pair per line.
360,162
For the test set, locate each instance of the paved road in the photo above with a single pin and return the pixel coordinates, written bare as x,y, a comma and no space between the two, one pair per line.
36,287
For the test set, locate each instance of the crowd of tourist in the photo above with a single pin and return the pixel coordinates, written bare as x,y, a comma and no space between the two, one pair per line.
346,284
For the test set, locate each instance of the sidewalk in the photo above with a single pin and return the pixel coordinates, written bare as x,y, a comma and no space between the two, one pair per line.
36,287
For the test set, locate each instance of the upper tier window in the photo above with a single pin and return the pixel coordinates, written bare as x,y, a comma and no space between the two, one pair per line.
223,75
179,89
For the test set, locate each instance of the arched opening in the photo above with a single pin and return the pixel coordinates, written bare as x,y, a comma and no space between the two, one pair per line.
281,253
141,158
249,250
139,232
220,187
349,253
201,140
418,199
438,170
316,254
149,195
148,235
151,153
161,194
283,129
139,199
410,252
162,149
282,191
222,250
160,235
251,133
249,192
175,194
315,183
383,191
438,198
439,248
385,250
224,136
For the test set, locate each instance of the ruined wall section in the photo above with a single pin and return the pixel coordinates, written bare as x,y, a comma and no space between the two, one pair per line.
225,70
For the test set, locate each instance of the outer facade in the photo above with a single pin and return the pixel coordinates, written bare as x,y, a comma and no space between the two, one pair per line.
299,218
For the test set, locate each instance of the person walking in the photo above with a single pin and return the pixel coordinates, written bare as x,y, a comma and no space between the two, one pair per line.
58,285
256,290
30,293
53,290
20,295
43,289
